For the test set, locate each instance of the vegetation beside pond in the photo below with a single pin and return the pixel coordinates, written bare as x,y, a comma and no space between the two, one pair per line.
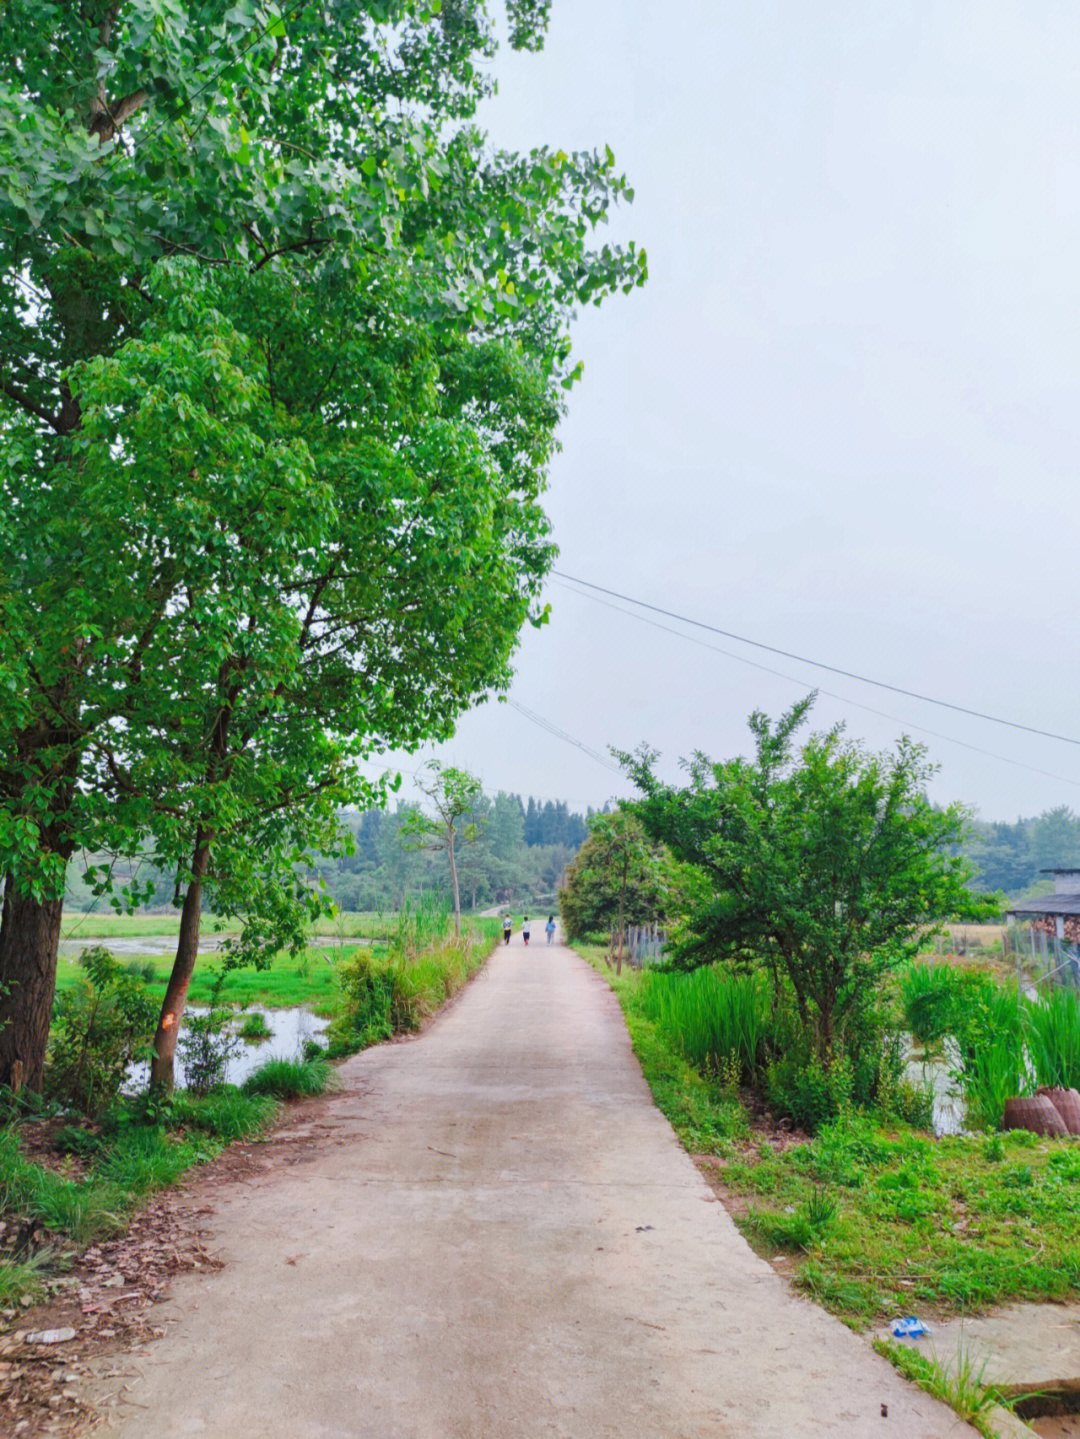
871,1217
76,1165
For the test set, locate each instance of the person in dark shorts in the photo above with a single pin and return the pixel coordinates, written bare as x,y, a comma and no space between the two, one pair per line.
508,925
525,929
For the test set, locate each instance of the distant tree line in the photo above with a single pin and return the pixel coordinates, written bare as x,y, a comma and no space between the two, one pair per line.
521,852
1009,857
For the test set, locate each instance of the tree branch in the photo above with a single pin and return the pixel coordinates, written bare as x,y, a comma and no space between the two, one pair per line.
30,406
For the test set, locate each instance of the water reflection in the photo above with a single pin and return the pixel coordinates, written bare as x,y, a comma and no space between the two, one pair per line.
290,1031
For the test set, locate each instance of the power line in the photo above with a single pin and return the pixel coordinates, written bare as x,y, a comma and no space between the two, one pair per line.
741,659
561,734
819,664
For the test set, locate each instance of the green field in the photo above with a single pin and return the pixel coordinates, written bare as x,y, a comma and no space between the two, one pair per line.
308,978
91,927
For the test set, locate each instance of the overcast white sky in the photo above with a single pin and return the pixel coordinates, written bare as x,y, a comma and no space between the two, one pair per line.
842,418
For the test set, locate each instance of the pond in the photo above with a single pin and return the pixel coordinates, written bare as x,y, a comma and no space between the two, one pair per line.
290,1031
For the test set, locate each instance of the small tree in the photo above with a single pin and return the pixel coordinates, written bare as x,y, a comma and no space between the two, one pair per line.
614,879
454,794
827,865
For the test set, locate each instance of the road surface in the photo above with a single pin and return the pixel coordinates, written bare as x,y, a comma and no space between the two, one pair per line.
498,1237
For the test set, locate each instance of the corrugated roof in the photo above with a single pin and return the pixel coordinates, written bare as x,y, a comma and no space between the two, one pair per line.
1047,904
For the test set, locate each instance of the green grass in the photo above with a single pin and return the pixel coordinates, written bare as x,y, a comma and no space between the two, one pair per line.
959,1384
310,978
106,925
229,1113
290,1078
707,1117
719,1022
307,979
255,1027
1053,1038
881,1219
936,1226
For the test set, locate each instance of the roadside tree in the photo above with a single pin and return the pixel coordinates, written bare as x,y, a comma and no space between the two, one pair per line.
354,250
618,877
454,794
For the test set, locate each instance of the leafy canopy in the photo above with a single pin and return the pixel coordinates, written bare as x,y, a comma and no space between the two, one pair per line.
826,864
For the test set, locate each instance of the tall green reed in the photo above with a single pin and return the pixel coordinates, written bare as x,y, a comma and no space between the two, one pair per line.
718,1021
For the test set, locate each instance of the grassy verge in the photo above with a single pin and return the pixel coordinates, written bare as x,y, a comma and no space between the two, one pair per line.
80,1181
393,991
113,1167
958,1384
707,1117
875,1219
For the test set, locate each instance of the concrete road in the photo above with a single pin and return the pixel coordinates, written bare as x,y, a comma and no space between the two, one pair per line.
499,1237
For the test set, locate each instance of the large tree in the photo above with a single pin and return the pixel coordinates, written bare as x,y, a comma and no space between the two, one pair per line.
317,167
825,864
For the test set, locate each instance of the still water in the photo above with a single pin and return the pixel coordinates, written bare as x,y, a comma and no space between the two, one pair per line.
291,1030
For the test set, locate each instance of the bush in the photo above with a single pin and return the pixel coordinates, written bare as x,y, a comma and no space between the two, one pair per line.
808,1093
290,1078
100,1027
206,1045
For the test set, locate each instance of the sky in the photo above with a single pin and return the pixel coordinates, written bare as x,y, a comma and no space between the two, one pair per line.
843,416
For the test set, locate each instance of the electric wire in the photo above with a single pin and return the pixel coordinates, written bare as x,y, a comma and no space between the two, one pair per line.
842,699
820,664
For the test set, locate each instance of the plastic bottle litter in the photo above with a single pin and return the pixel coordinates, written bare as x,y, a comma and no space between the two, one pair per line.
910,1328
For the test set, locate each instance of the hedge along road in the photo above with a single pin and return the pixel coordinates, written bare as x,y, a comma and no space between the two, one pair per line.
499,1236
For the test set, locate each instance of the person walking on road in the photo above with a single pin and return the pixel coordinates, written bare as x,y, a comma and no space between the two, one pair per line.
508,926
525,929
549,929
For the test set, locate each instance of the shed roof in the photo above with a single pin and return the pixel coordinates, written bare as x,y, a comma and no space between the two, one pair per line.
1047,904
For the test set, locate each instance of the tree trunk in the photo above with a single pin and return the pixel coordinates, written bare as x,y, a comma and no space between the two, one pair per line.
187,952
29,940
454,878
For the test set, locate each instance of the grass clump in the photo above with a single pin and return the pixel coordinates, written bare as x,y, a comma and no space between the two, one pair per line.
392,990
228,1112
959,1384
1053,1037
290,1078
255,1028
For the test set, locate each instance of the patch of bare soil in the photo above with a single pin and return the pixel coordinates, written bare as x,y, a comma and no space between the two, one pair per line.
766,1132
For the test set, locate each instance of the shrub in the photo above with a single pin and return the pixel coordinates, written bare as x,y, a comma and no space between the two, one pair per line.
290,1078
206,1045
74,1139
808,1093
100,1027
255,1028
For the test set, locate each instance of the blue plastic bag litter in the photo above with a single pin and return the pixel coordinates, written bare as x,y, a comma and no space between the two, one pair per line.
909,1328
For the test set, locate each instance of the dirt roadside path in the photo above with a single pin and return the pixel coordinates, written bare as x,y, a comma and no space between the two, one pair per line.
499,1237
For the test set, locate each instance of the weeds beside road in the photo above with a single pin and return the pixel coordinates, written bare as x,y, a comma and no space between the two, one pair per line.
66,1179
872,1218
